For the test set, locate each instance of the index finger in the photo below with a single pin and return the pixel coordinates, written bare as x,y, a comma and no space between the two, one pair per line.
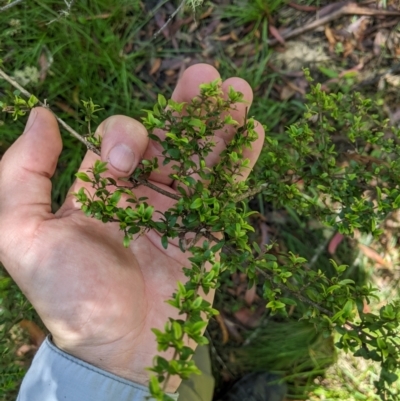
188,88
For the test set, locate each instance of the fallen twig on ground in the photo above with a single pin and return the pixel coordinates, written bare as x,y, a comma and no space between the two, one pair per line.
303,8
171,17
347,9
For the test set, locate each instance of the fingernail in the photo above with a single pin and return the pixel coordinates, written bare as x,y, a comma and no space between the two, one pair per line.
31,120
121,158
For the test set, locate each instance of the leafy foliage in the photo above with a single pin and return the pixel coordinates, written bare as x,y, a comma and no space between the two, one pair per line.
311,174
19,106
349,185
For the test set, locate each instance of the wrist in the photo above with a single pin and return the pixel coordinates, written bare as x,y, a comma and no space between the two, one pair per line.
55,373
129,363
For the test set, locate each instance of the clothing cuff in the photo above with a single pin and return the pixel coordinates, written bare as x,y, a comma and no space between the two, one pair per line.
55,375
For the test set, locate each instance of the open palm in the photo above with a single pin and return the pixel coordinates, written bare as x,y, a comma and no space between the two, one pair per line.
98,299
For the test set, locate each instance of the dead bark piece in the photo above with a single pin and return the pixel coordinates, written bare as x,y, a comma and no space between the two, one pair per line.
207,13
224,330
250,295
374,255
36,334
155,66
359,27
287,92
276,34
331,38
303,8
331,8
380,41
232,329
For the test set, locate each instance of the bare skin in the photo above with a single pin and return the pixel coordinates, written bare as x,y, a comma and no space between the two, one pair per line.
98,299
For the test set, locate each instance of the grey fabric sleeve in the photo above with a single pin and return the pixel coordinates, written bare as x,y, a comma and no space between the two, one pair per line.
57,376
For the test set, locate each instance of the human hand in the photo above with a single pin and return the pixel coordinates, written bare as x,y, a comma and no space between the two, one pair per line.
98,299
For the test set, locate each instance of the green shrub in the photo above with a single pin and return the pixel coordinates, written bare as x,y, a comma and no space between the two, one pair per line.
351,184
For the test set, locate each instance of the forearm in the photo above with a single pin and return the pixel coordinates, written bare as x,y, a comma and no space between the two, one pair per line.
55,375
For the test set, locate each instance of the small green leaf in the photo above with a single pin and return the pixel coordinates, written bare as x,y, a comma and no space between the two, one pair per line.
111,181
337,315
346,281
174,153
195,122
288,301
197,302
218,246
126,241
161,100
32,101
177,329
381,343
83,176
275,305
115,197
328,72
99,167
197,204
164,241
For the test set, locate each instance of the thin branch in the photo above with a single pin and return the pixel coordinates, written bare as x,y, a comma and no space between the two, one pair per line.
80,138
294,293
251,192
228,249
14,3
171,17
347,9
154,187
215,353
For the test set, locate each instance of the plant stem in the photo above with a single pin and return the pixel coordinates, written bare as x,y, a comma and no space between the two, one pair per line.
294,293
283,287
251,192
80,138
148,184
169,374
14,3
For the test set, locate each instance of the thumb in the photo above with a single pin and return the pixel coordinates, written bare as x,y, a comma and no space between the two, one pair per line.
123,144
25,172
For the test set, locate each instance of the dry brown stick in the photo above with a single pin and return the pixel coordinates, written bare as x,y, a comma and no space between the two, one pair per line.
215,353
345,10
169,19
303,8
14,3
80,138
